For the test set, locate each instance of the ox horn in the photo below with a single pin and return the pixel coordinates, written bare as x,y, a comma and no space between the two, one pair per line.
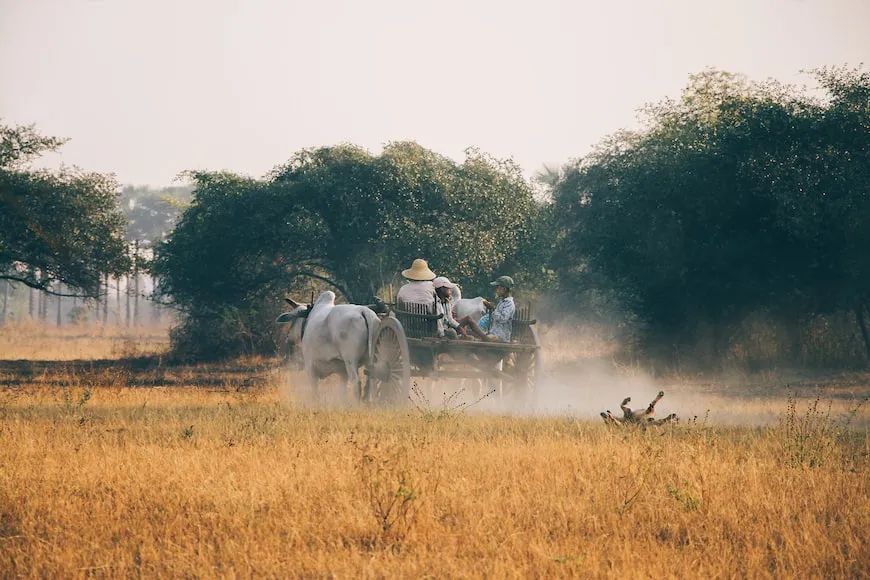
291,302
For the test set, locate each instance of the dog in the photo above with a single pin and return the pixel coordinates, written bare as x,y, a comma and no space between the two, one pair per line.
641,417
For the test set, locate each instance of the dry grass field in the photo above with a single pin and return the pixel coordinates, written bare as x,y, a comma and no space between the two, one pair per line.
117,468
31,341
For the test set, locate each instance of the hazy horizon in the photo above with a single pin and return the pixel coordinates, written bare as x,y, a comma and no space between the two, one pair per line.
147,90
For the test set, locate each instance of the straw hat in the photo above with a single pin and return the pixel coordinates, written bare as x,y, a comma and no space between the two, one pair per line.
419,271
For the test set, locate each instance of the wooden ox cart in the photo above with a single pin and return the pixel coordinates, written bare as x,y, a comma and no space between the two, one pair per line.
407,345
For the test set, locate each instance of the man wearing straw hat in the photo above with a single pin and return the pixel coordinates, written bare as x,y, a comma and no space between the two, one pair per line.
419,289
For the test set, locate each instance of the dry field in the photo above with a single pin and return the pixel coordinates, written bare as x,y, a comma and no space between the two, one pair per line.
31,341
131,468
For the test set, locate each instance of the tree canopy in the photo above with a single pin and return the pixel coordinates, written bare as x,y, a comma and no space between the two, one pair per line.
738,196
347,218
55,226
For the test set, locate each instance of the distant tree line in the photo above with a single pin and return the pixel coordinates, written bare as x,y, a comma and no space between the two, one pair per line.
739,199
67,236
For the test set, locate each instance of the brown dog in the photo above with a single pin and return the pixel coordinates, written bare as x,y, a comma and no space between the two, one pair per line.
641,417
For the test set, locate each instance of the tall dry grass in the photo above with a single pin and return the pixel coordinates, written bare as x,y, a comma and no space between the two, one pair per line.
118,471
34,341
99,480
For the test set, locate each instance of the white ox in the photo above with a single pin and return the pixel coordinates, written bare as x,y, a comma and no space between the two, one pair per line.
335,339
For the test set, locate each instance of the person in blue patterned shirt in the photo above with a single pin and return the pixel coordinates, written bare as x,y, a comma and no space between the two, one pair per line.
502,316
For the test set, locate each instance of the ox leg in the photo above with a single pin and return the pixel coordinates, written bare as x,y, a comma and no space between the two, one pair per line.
351,387
310,389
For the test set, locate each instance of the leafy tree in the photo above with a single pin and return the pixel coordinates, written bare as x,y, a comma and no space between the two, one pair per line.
55,227
740,196
345,218
378,213
152,213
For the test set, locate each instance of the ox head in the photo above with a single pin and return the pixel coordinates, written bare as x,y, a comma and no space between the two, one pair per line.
295,318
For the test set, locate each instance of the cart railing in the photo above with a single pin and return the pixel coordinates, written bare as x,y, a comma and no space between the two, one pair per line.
521,325
418,320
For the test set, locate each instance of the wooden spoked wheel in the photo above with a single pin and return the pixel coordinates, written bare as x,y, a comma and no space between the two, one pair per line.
389,375
527,371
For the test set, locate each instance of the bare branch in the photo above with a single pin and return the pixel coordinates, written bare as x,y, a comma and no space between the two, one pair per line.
332,283
42,286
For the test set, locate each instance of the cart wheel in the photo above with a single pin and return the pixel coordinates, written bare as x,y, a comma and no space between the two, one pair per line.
527,369
389,375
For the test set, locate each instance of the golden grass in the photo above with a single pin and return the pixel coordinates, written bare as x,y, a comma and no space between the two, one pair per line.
120,481
33,341
221,473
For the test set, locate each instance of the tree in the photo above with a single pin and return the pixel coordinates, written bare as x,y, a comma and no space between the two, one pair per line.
55,227
344,218
380,212
740,196
152,213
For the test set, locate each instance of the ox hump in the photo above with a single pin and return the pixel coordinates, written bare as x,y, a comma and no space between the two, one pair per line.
326,298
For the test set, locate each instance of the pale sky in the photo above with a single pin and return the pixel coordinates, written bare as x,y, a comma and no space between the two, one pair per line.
145,89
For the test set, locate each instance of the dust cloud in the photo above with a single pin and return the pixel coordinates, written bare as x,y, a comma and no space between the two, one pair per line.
581,378
585,389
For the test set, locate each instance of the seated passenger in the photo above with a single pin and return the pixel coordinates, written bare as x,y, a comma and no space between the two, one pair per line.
419,289
500,321
447,325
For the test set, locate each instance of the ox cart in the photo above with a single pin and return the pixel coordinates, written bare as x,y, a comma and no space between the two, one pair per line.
407,345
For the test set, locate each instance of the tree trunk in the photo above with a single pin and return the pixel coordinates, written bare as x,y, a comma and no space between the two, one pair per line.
136,283
118,301
859,316
5,301
59,304
43,306
155,307
127,292
106,300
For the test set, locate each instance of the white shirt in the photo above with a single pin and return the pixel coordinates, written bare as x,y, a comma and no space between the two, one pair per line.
415,292
446,310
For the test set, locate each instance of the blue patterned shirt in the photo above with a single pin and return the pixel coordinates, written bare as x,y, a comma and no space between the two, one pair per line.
502,319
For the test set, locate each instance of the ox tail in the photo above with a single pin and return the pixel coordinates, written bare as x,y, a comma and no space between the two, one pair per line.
371,321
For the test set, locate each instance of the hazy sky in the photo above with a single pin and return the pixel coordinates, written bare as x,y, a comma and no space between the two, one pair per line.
148,88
